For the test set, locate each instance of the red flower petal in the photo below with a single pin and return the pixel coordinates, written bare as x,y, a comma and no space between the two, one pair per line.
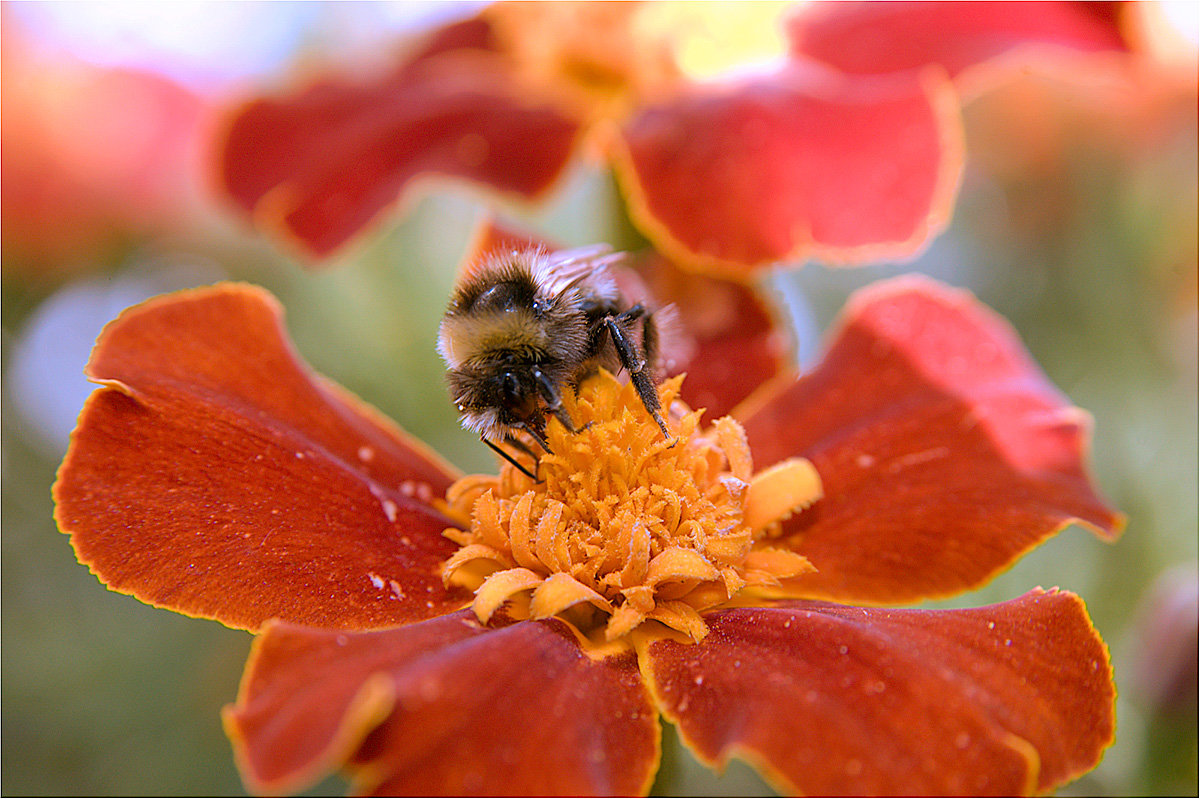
215,475
943,451
493,235
878,38
794,163
321,163
518,710
1002,700
730,340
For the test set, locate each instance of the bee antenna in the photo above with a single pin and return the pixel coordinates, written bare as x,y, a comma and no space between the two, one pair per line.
499,451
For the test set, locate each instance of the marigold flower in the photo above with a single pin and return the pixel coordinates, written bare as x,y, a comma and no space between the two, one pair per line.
215,475
848,146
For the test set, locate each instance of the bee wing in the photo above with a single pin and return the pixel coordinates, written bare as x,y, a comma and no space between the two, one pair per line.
568,269
588,252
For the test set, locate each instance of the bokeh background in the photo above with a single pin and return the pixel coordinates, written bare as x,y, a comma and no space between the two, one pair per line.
1077,221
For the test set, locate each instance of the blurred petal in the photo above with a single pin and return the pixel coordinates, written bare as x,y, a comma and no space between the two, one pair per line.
596,57
724,334
451,708
791,164
875,38
1164,639
247,177
319,164
492,235
217,476
92,157
945,454
1003,700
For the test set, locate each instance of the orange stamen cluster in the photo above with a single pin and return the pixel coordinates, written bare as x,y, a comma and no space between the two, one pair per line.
625,527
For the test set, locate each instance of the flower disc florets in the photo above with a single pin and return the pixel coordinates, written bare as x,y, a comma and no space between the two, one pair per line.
624,526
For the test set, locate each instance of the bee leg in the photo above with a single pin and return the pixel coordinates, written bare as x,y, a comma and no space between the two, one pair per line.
536,435
496,448
560,413
635,364
553,400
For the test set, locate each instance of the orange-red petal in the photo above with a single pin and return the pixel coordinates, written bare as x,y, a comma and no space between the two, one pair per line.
214,474
876,38
1009,699
317,165
731,340
444,707
944,452
794,163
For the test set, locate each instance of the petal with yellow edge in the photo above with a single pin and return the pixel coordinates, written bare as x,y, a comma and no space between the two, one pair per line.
1011,699
318,164
875,38
215,474
791,164
943,451
443,707
510,710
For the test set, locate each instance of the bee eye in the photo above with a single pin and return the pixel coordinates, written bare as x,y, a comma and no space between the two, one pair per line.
510,386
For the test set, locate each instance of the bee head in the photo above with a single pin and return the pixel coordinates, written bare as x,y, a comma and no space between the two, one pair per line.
496,397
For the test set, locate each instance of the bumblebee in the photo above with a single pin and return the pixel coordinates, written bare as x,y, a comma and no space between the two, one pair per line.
525,326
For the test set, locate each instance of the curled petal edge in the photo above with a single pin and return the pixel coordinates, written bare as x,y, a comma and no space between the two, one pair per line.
1036,781
944,100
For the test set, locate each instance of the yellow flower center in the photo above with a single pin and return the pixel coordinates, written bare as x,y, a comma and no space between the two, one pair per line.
625,528
599,58
713,37
604,60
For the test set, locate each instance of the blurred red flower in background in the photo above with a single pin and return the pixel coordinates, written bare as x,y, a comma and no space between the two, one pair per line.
93,158
847,147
